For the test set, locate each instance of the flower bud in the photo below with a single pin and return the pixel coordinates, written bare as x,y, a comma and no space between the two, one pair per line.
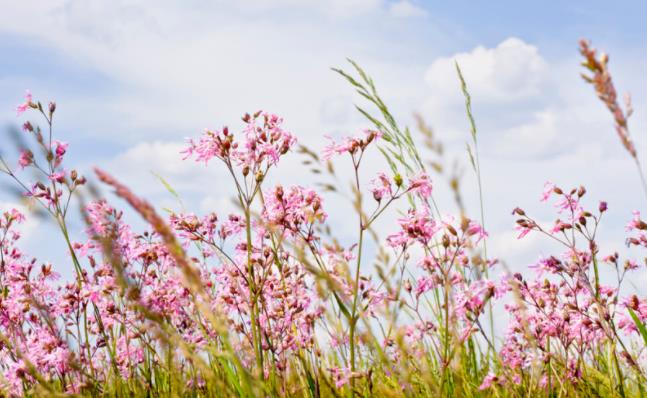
602,207
581,191
398,180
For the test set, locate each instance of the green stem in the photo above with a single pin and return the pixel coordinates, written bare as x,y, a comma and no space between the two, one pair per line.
253,308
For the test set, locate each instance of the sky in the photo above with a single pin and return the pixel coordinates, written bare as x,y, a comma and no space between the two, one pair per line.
133,79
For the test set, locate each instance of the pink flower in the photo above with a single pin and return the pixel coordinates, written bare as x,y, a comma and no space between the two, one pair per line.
218,144
425,284
60,149
490,379
25,105
26,158
350,144
58,176
635,223
381,187
418,225
294,209
421,184
523,230
476,229
265,142
548,190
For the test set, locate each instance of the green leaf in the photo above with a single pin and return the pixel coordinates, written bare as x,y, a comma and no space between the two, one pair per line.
342,307
639,324
169,188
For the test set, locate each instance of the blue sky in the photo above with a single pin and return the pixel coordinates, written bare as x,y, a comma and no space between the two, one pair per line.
134,78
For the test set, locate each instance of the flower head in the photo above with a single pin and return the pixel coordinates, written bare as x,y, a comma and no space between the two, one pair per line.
25,105
351,145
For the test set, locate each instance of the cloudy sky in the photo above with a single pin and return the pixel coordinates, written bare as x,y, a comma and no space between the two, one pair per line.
132,79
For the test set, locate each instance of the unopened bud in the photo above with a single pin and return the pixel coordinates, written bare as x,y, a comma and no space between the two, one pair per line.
465,224
398,180
603,207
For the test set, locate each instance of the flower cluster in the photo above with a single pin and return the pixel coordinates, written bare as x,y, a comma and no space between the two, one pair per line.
295,210
253,301
564,321
264,142
351,145
382,187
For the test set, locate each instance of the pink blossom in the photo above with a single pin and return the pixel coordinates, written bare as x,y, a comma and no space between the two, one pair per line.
58,176
294,209
523,230
381,187
26,158
59,150
476,229
549,188
488,381
350,145
25,105
421,184
418,225
635,223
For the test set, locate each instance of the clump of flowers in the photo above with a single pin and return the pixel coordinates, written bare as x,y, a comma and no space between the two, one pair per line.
561,319
267,301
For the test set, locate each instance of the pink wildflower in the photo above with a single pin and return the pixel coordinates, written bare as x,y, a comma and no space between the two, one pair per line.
350,144
25,105
381,187
26,158
421,184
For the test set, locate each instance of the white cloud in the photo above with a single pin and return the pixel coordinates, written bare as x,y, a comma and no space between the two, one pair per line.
406,9
177,69
536,138
139,165
510,71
